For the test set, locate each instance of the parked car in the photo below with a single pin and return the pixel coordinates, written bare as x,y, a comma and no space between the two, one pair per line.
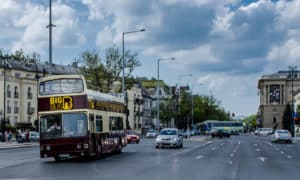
263,131
151,133
33,136
187,134
196,132
220,133
282,135
170,137
131,136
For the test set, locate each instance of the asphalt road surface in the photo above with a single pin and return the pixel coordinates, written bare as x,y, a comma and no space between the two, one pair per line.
244,157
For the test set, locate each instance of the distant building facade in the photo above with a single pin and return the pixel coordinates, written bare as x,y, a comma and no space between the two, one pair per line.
275,92
21,90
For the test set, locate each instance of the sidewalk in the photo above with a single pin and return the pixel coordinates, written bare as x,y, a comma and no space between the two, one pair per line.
14,144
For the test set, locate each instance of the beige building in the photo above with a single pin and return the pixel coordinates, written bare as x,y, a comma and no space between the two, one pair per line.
20,94
275,93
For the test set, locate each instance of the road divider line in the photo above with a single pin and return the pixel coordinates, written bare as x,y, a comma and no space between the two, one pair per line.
187,150
281,152
289,157
198,157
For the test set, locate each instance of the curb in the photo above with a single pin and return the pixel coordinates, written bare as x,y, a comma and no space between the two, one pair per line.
14,146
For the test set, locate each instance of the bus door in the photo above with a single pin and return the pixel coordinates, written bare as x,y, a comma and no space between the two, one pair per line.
92,132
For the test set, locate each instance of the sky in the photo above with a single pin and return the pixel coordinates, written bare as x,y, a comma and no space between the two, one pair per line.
225,45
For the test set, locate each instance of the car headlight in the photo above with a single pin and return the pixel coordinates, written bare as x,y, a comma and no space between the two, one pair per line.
175,139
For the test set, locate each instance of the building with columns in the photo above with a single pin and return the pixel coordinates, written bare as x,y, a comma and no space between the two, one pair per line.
19,94
276,92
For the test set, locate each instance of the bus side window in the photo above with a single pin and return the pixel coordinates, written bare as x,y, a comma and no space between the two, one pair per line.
99,125
92,129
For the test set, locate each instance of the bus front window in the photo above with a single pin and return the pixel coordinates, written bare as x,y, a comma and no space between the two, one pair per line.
63,125
74,125
51,126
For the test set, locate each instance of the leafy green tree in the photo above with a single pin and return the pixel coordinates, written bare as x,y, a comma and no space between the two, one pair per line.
19,55
102,74
167,111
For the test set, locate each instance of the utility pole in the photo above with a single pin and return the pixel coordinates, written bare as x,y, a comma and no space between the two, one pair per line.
50,37
3,125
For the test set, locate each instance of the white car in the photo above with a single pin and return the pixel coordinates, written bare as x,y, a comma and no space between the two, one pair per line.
282,135
169,137
263,131
151,133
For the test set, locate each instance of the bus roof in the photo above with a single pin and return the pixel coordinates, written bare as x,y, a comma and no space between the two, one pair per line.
103,96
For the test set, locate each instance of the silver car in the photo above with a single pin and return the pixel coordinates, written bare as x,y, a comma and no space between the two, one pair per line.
282,135
169,137
151,133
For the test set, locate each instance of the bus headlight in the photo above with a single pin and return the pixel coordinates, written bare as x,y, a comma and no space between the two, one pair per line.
48,148
86,146
78,146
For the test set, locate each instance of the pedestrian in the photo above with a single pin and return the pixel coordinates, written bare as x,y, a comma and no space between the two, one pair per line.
9,136
6,136
27,136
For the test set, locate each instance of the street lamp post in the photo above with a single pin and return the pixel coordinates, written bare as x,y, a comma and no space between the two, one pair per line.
123,60
292,75
157,88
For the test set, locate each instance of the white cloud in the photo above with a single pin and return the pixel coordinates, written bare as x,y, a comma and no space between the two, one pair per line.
25,26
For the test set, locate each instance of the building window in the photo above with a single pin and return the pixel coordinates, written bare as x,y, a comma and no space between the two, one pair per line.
17,75
274,120
8,91
16,108
274,94
29,93
16,92
30,110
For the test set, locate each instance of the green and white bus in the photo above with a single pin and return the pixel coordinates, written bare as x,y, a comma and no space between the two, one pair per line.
209,126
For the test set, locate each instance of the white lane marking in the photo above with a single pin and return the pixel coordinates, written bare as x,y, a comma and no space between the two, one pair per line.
234,150
290,157
239,142
281,152
230,162
277,149
198,157
262,159
222,144
214,148
268,143
254,144
257,149
231,155
175,154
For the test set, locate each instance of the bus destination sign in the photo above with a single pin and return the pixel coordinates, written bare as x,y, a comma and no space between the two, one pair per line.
106,106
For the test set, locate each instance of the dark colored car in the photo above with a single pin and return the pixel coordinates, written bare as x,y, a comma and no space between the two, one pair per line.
220,134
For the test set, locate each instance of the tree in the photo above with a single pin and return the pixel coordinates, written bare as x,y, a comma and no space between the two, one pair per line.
19,55
287,116
102,74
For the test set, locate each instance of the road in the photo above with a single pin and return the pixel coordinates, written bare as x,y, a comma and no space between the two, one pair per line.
244,157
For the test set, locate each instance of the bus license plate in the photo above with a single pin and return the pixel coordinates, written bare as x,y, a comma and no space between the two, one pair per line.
64,155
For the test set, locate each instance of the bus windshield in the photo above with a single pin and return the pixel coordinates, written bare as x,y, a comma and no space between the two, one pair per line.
61,86
63,125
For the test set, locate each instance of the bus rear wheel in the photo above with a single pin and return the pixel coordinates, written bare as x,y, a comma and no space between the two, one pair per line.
119,148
